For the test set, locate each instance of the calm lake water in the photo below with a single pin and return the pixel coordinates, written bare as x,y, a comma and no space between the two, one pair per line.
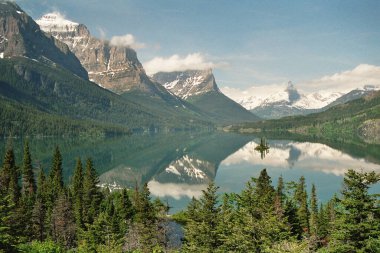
179,166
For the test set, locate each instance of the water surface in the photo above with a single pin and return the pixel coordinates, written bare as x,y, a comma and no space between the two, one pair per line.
179,166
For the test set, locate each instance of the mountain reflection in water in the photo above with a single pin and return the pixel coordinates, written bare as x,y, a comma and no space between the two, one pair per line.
179,166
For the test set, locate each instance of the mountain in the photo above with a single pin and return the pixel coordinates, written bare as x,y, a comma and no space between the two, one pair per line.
117,68
290,102
199,88
352,95
113,67
41,96
343,122
21,36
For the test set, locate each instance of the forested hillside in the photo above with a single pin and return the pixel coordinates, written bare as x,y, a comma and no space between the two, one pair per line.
35,92
349,120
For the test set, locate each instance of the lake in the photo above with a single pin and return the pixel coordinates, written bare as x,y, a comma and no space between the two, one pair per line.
179,166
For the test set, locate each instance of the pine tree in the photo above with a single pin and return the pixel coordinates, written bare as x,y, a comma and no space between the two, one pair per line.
264,192
279,198
314,229
303,210
63,221
227,226
77,189
40,210
202,231
143,233
323,223
280,189
125,210
91,194
9,176
56,175
7,240
28,182
357,227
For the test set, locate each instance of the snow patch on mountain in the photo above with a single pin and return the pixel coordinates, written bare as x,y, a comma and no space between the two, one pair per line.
291,98
188,167
188,83
317,100
56,22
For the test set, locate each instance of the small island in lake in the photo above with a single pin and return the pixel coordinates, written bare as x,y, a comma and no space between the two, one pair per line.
263,148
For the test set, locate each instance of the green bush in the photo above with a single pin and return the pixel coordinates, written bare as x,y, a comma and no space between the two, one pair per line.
41,247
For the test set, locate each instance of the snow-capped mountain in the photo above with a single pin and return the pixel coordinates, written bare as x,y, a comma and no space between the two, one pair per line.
113,67
55,22
186,84
290,101
188,169
199,88
21,36
354,94
317,100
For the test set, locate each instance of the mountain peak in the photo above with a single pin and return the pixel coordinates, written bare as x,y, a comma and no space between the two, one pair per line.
58,26
187,83
21,36
56,22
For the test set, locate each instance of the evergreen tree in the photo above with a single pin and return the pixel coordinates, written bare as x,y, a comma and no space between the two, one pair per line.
7,239
323,224
202,232
91,193
9,176
56,175
264,192
124,210
227,227
314,229
28,182
40,210
302,205
77,189
279,198
357,227
63,222
280,189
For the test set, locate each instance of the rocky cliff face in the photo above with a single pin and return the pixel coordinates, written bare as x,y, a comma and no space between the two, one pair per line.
188,83
21,36
113,67
199,88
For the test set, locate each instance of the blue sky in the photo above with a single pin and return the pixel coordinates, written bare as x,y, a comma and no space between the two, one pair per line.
248,42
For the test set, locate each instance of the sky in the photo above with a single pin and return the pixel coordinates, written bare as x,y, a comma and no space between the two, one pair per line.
317,45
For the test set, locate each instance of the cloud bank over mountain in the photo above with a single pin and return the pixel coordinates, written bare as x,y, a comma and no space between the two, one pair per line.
127,40
195,61
345,81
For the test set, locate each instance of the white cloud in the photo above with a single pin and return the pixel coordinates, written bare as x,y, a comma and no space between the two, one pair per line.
178,63
346,81
253,96
176,191
127,40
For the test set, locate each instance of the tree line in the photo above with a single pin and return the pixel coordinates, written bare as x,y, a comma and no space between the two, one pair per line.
47,215
263,218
